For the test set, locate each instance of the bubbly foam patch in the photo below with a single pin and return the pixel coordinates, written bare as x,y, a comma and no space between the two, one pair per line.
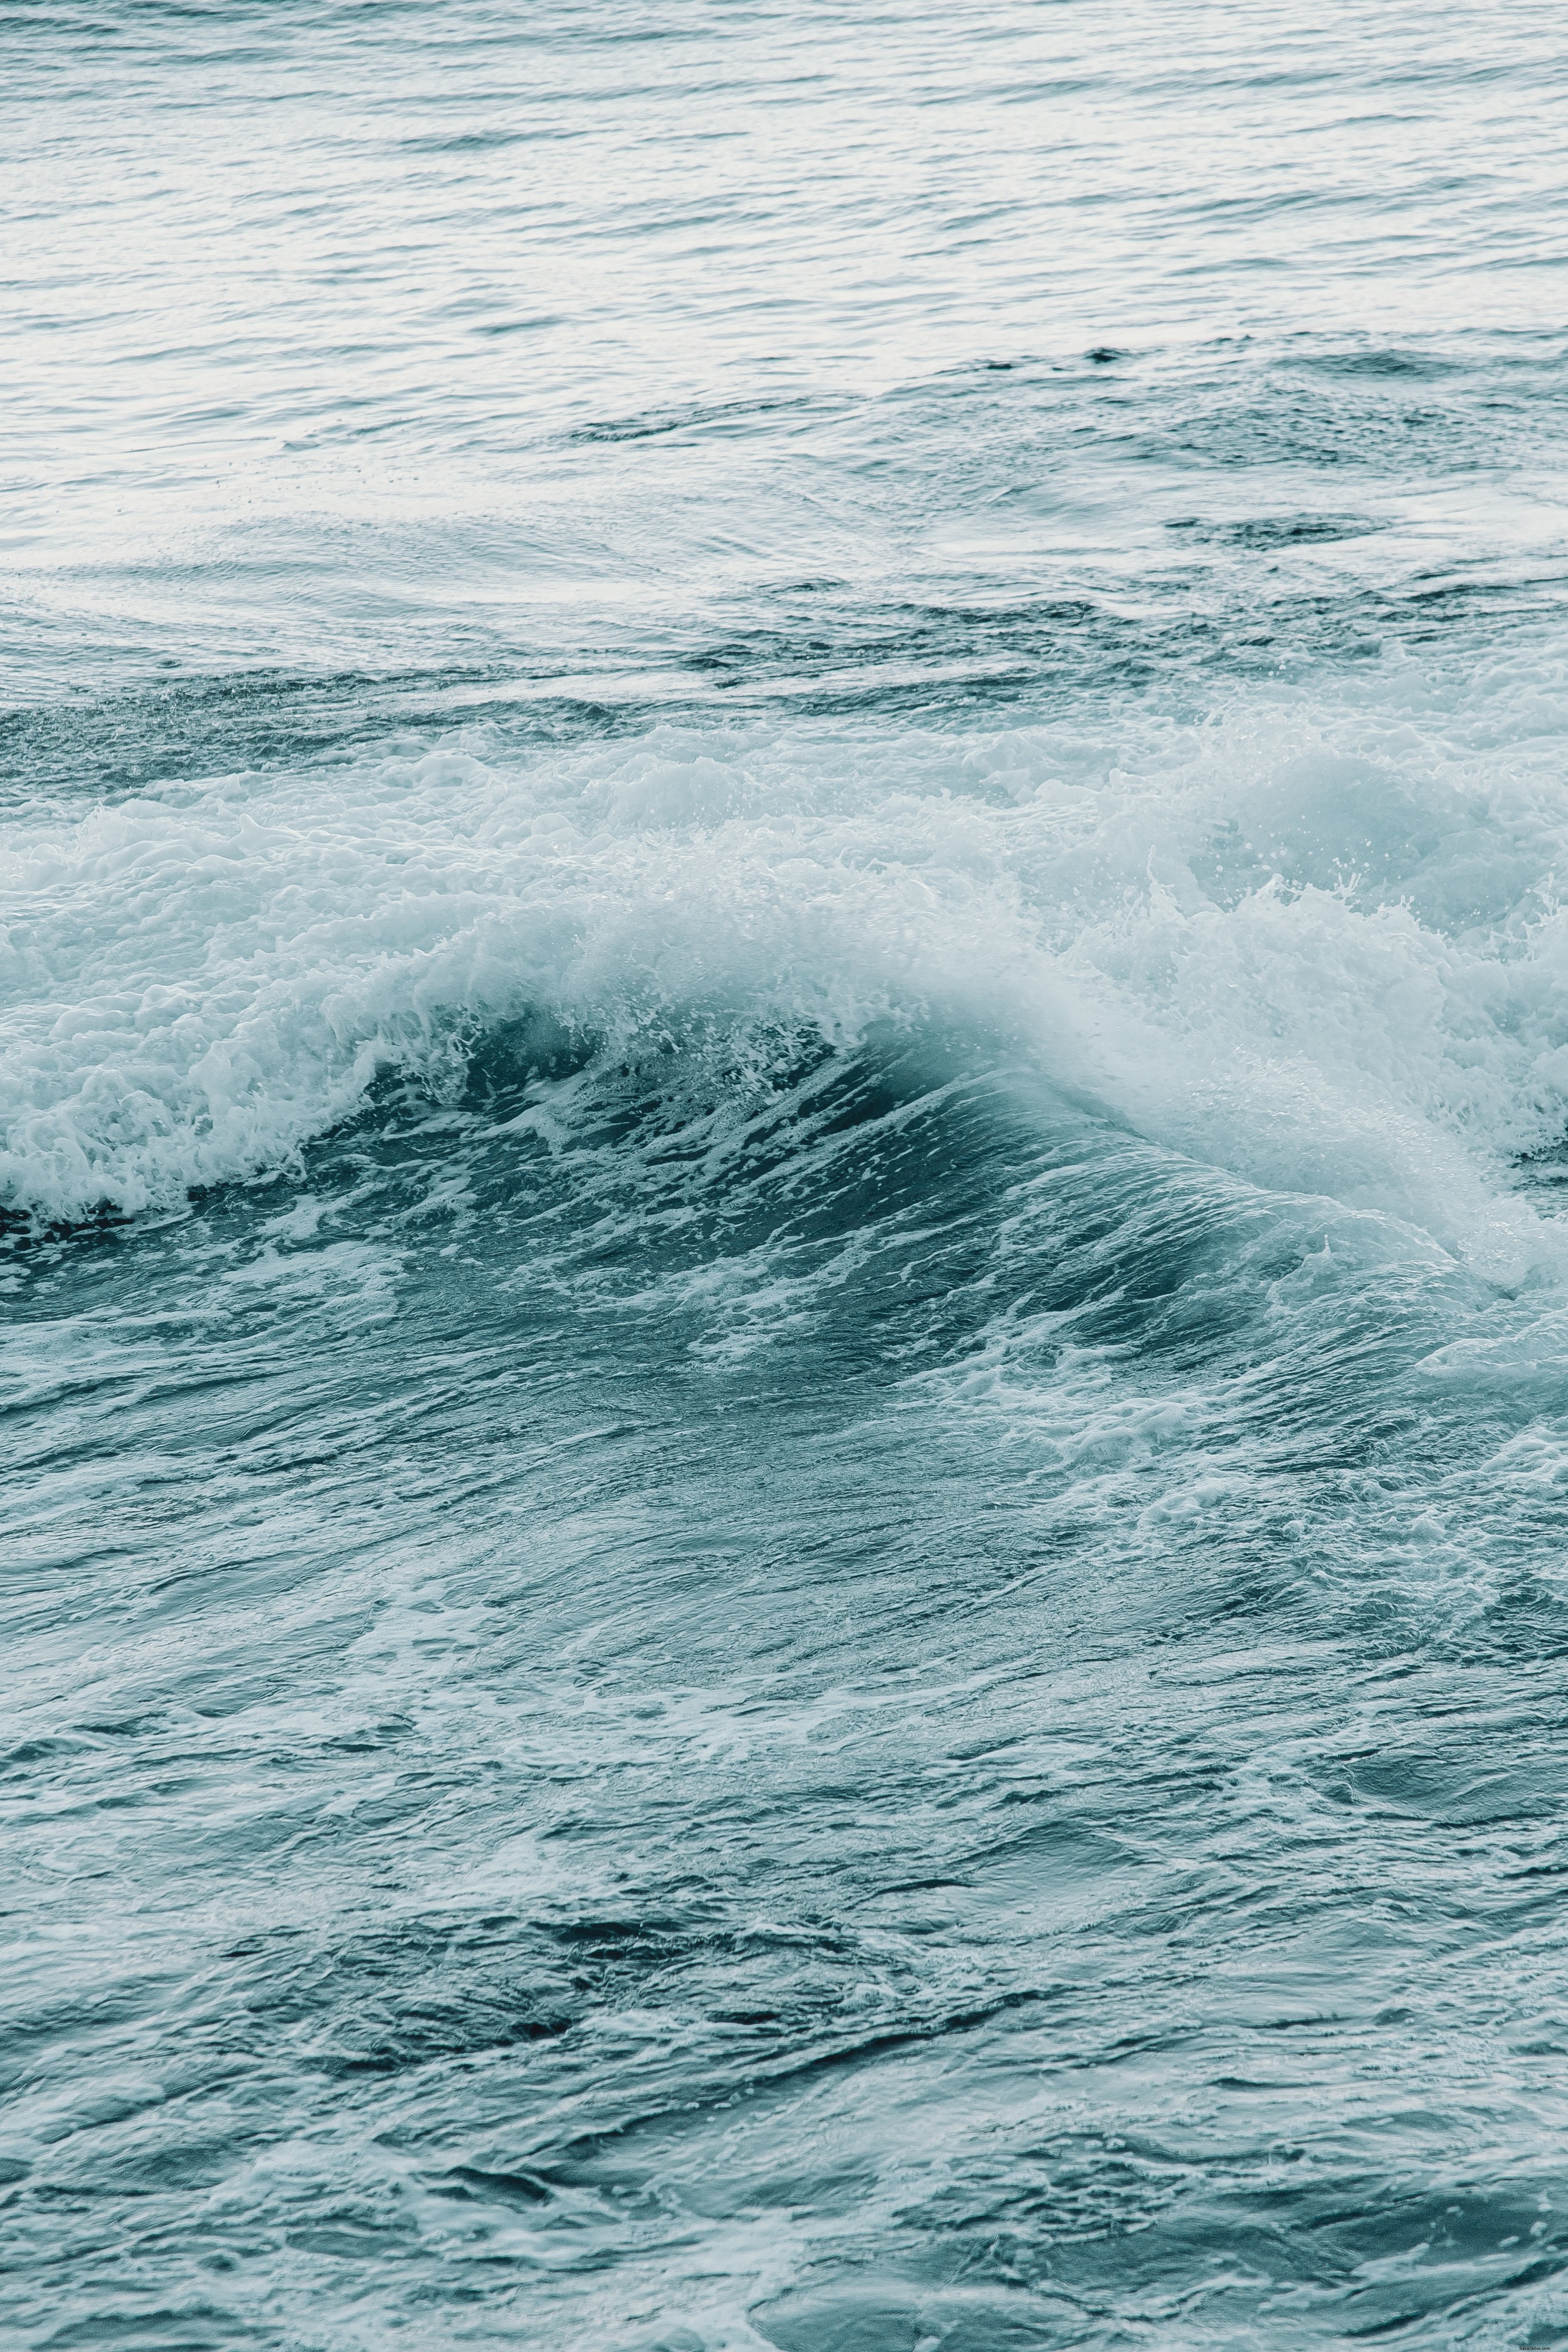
1315,940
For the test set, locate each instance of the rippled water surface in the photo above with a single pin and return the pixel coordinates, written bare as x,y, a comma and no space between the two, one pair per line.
784,1067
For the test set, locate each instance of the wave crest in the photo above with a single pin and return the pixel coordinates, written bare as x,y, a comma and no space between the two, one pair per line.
1316,945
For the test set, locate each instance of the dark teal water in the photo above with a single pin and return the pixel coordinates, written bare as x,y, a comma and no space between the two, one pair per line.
784,1037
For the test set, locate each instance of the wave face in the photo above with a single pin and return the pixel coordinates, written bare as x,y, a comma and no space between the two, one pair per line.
783,1078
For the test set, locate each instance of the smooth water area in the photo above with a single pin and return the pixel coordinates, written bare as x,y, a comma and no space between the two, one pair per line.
783,1078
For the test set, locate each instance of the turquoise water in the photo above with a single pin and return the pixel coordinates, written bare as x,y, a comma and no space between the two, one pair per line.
784,1067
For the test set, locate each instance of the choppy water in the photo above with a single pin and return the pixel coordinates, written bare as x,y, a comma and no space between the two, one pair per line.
785,1059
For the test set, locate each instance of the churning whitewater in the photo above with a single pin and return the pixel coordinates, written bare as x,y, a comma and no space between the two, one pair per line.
784,1127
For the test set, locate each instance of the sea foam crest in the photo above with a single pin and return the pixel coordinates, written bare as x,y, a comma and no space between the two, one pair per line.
1319,945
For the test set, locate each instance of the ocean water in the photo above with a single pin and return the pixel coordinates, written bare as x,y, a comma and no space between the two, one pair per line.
783,1078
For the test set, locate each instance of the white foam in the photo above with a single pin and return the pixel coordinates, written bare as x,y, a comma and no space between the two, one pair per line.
1315,940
